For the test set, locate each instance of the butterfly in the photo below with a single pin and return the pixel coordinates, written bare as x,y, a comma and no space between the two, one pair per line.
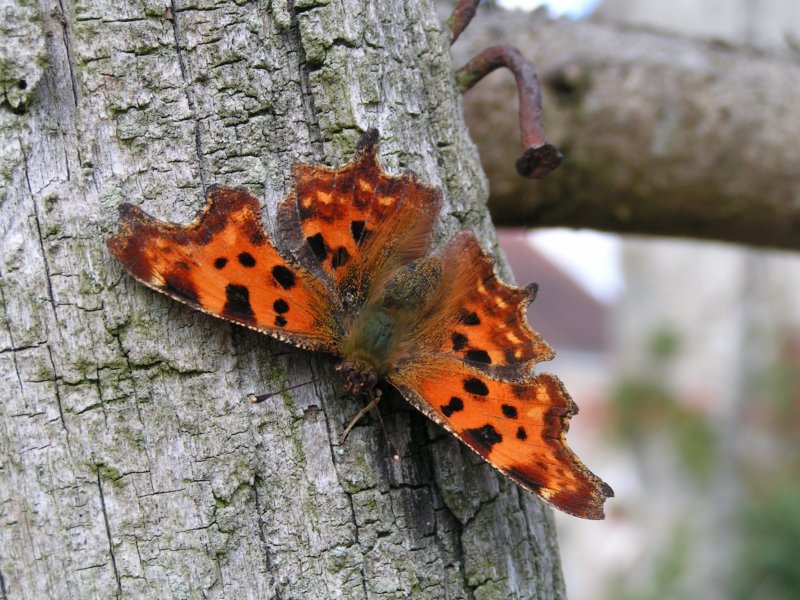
352,274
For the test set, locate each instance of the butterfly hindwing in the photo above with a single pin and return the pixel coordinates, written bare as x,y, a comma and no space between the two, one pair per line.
518,427
225,264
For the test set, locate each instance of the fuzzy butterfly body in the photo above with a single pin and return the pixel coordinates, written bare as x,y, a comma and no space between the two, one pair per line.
355,277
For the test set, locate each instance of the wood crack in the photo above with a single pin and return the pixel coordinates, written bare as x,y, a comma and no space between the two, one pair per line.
61,17
58,392
10,336
45,262
108,534
190,99
457,532
293,39
261,536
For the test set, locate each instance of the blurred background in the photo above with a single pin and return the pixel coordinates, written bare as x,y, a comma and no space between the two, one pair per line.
684,358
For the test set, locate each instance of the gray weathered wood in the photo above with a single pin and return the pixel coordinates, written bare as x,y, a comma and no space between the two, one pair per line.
131,463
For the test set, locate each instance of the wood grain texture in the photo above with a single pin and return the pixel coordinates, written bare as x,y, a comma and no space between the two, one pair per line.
132,464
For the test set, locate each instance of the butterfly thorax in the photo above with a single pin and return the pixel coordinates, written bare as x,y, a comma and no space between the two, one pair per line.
374,341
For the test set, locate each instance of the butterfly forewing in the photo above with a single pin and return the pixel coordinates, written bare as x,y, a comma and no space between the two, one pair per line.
224,264
354,224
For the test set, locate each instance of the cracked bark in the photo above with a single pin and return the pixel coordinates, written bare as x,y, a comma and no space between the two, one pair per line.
131,462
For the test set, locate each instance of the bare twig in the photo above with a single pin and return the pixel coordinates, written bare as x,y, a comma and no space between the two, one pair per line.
462,14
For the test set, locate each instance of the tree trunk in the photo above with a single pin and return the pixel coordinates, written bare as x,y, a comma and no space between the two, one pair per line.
132,464
661,134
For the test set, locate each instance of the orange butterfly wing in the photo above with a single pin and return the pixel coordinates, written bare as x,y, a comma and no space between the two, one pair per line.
518,427
471,371
224,264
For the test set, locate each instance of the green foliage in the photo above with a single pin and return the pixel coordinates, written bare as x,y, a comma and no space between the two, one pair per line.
663,344
768,527
768,569
666,580
646,403
770,522
782,384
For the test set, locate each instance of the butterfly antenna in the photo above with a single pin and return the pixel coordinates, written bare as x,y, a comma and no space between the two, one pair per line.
257,399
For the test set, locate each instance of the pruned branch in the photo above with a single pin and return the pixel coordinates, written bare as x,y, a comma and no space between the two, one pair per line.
661,134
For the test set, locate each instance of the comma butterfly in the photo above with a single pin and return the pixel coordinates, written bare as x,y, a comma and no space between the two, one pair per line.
355,278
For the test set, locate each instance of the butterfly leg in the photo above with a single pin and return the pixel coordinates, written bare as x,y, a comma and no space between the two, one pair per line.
372,404
392,452
259,398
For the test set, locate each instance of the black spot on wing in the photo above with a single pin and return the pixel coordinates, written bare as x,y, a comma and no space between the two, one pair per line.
246,259
481,356
455,405
284,277
357,230
510,354
519,391
340,257
509,411
470,318
483,438
257,238
475,386
220,262
280,306
280,321
237,304
522,434
317,244
459,341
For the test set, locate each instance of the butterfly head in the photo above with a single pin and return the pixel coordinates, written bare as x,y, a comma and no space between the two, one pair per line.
357,379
